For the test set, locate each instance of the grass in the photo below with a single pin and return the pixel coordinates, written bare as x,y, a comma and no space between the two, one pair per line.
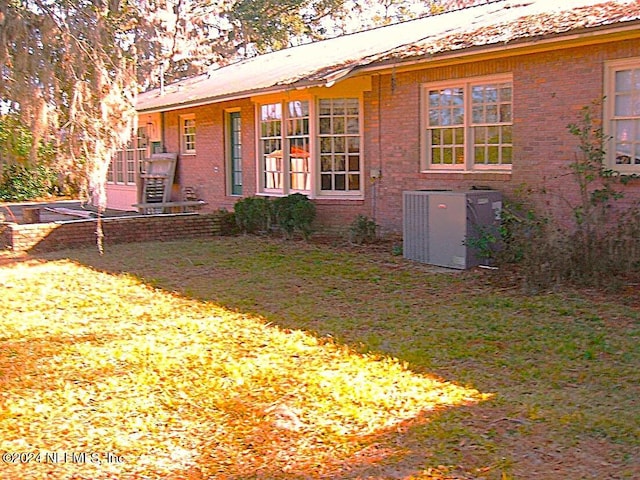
241,358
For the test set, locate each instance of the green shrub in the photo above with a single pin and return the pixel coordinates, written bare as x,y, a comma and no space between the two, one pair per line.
228,224
254,214
19,182
295,213
363,230
16,140
601,245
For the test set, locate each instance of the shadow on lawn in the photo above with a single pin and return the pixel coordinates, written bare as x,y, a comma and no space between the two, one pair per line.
393,453
272,451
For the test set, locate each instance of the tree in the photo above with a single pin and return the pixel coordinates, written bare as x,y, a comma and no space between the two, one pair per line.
181,38
68,71
260,26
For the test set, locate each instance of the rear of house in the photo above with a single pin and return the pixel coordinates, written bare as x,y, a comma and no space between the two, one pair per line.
476,98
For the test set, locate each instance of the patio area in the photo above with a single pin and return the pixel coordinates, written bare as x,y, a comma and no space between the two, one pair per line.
54,211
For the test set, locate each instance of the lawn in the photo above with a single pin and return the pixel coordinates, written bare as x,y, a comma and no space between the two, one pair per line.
248,358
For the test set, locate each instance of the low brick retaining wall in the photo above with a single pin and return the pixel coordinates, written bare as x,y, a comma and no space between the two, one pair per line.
76,233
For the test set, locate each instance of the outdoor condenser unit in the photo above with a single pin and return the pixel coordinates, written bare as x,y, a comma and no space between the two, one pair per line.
438,224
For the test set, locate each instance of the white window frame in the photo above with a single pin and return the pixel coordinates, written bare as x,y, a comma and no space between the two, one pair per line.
315,190
465,146
125,163
188,145
347,138
617,138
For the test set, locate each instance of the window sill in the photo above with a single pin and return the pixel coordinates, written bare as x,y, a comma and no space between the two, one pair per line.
339,198
482,174
318,198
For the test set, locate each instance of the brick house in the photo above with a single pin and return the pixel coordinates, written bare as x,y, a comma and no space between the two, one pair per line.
478,97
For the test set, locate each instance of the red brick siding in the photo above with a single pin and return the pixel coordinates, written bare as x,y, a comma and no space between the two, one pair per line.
55,236
207,170
549,91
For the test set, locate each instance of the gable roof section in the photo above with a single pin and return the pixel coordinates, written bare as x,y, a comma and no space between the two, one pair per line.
324,62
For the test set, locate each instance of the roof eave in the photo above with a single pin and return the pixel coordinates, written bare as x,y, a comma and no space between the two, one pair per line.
587,36
539,43
326,80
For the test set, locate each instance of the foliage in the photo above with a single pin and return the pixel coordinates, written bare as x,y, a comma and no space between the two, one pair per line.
71,80
295,213
254,214
600,247
261,26
485,242
596,182
15,140
228,223
19,178
186,38
164,376
19,182
363,230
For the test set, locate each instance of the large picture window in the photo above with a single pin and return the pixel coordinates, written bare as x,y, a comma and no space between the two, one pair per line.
311,147
469,125
622,111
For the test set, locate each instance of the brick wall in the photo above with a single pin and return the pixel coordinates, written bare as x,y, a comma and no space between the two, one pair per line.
549,89
208,169
56,236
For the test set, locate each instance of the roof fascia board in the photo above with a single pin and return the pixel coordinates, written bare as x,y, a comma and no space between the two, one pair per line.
302,85
210,100
347,86
539,45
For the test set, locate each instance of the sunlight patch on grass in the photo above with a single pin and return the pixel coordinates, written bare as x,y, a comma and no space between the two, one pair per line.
176,388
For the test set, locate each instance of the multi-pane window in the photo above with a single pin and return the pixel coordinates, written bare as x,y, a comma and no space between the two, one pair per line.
339,133
188,134
469,125
297,132
623,111
286,169
491,121
313,148
124,164
446,127
271,146
235,152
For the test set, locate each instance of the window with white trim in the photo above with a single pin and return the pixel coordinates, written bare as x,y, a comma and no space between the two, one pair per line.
622,112
188,134
285,147
339,145
310,147
125,163
468,125
271,147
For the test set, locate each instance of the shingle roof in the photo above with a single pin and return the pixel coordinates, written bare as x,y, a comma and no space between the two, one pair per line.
320,63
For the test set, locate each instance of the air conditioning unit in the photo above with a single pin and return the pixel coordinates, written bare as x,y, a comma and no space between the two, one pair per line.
437,225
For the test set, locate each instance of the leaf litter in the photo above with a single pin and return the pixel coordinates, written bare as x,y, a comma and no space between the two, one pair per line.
114,379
